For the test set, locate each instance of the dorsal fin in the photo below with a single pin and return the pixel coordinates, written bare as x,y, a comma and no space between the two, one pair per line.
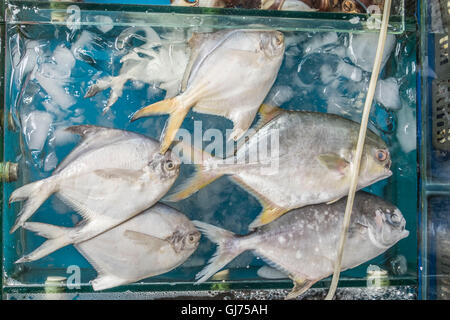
85,130
267,112
91,137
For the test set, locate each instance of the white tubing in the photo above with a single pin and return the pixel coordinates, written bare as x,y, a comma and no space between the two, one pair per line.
359,147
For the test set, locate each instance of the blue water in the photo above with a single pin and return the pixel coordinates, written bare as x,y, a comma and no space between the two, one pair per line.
302,84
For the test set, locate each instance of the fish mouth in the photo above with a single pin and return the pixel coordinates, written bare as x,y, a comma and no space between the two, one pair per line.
404,234
386,174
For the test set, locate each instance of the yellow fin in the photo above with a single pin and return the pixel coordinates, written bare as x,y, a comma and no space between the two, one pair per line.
201,177
198,181
269,213
270,210
267,113
177,112
300,287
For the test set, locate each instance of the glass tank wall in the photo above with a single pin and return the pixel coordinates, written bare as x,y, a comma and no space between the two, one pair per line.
434,156
55,51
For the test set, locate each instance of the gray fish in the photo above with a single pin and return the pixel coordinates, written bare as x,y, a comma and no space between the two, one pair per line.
152,243
229,74
304,242
308,161
111,176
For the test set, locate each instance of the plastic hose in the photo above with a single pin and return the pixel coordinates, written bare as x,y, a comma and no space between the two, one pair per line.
359,147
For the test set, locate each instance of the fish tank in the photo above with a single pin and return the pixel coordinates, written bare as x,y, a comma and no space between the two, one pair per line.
93,63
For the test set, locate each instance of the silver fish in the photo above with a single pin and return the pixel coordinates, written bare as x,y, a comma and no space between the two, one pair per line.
111,176
304,242
152,243
229,74
156,62
309,164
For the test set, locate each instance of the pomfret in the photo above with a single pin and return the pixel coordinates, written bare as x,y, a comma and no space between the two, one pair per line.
152,243
111,176
304,242
309,163
229,74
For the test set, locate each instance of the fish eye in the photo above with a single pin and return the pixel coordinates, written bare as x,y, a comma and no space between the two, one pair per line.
169,165
381,155
192,238
395,218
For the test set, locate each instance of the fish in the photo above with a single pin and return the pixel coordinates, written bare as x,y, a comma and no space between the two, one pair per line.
229,74
151,243
157,62
303,243
309,162
109,177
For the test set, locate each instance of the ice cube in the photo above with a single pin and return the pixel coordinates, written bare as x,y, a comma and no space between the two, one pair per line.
54,88
406,128
36,128
326,74
320,40
63,137
279,95
50,162
64,59
387,93
348,71
362,49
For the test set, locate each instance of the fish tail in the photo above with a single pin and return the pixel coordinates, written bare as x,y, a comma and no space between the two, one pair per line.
228,248
201,178
193,184
57,238
35,193
107,281
177,111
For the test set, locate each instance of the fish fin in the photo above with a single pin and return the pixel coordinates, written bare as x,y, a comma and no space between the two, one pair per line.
91,137
86,130
99,85
124,174
241,124
193,184
300,287
333,201
272,264
267,113
200,178
333,162
227,249
107,281
269,212
177,111
35,194
77,205
58,237
151,242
